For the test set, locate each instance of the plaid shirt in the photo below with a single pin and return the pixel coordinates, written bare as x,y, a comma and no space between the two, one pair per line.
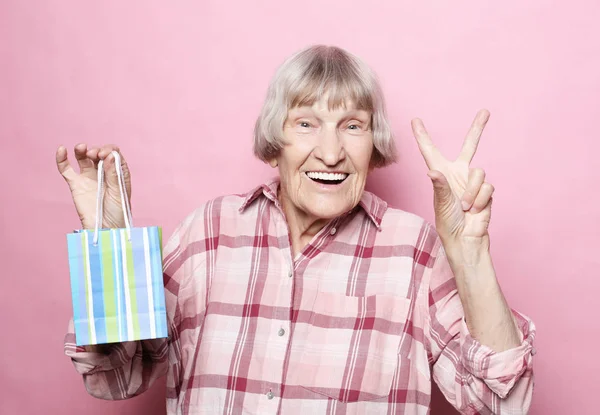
359,322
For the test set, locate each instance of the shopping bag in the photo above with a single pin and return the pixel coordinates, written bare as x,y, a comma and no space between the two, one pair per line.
116,278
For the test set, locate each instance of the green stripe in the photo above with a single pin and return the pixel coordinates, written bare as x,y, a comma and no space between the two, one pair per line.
132,290
160,241
108,283
84,255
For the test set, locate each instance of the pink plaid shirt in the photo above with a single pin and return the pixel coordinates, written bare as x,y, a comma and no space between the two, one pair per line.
360,322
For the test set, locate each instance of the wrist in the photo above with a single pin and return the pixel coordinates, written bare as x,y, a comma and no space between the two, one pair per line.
467,251
97,348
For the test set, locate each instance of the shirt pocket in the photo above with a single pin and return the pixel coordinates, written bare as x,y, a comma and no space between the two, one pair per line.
350,347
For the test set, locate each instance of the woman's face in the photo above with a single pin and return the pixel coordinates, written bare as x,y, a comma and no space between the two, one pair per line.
324,163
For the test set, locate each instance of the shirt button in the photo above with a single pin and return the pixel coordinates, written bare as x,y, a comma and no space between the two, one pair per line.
333,231
281,332
270,395
290,274
533,351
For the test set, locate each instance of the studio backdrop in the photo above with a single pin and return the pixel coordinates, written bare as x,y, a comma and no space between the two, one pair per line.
178,85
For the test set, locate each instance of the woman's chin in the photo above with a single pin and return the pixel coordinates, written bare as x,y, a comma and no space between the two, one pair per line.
329,210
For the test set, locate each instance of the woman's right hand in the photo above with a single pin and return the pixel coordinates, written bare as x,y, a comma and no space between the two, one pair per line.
84,185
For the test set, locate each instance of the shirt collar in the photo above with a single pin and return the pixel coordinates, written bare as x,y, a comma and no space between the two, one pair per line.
373,206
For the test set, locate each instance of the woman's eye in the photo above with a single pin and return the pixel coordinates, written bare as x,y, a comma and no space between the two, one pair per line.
354,127
304,124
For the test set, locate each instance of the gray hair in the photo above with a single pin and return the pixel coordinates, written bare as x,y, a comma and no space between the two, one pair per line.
304,79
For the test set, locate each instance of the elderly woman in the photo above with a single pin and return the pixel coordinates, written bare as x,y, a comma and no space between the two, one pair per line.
310,295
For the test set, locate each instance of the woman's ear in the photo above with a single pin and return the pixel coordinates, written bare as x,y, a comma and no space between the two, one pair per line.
273,162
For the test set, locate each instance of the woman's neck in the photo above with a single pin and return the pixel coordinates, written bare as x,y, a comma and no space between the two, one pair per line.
302,226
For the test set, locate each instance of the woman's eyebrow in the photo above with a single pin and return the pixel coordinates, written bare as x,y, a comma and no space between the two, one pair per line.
302,112
357,114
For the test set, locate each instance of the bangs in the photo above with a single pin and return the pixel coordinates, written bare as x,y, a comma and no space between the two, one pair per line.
333,75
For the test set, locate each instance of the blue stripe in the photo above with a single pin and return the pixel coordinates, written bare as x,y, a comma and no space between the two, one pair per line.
97,288
141,287
157,283
151,251
77,289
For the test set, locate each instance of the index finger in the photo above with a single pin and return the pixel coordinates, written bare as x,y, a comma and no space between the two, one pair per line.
424,142
471,142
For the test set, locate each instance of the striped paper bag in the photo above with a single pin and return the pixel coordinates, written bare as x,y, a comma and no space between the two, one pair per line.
116,278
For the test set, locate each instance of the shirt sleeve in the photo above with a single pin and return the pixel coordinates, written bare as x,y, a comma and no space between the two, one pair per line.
123,370
474,378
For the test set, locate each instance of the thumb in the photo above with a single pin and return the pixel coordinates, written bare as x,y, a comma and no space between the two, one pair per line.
441,189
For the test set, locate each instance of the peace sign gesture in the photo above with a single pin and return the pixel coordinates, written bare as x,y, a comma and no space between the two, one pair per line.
462,198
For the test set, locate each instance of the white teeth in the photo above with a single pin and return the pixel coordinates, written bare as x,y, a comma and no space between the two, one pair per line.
326,176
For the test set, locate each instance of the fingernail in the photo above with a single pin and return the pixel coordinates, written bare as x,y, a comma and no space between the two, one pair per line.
465,205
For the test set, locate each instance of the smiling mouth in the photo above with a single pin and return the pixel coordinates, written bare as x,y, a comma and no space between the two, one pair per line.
327,178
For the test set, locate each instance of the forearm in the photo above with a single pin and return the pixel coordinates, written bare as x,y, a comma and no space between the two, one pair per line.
489,318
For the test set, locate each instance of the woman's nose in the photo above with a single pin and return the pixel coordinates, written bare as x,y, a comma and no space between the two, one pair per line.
330,148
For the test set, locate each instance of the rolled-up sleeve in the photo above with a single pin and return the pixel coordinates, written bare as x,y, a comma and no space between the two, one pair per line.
474,378
500,371
118,370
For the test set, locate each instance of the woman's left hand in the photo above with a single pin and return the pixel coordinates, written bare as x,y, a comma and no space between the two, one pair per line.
462,197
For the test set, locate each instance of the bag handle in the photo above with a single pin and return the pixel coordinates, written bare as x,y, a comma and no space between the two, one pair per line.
124,198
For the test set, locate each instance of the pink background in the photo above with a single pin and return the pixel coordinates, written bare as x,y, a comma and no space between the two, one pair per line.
178,85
